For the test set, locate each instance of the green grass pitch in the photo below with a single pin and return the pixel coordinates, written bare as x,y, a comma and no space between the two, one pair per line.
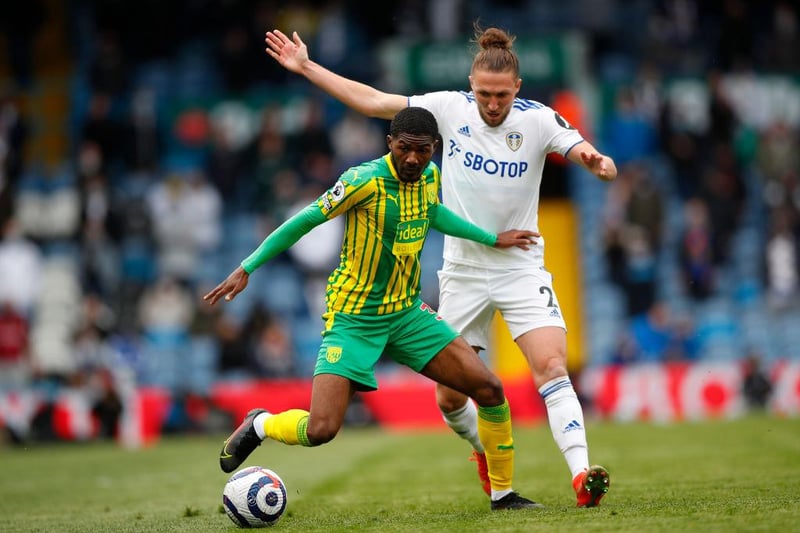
727,476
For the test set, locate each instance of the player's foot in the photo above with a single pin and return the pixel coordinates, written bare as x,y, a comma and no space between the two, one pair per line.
591,485
513,500
241,443
483,471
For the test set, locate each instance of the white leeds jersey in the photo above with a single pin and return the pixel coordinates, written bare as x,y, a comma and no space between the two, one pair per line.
491,176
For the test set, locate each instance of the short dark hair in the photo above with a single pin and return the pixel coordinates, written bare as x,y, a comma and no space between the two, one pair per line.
416,121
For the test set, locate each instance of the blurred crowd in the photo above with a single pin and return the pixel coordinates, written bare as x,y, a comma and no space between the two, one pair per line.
187,144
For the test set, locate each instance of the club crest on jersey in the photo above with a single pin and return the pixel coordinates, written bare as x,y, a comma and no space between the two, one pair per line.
514,140
333,354
432,195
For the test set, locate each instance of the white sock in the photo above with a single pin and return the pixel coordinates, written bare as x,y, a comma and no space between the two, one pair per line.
464,422
258,424
566,422
500,494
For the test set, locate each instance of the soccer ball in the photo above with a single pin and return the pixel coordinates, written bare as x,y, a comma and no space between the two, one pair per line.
254,497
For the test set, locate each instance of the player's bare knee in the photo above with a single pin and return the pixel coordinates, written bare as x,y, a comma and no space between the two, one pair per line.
321,431
491,393
553,368
449,400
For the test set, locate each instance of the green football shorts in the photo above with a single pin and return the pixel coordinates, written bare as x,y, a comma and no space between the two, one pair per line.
352,344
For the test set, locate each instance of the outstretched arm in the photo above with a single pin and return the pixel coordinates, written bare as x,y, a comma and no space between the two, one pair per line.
447,222
292,54
276,242
589,158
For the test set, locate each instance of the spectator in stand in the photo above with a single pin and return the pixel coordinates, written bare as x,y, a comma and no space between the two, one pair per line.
270,160
205,215
310,148
21,22
96,364
639,271
629,135
672,37
102,128
633,221
646,204
657,337
142,138
682,145
186,213
783,39
735,45
615,211
20,269
778,160
722,116
235,56
355,138
14,367
230,156
723,191
101,223
166,310
756,384
647,89
232,362
237,29
782,255
270,349
697,251
13,139
108,72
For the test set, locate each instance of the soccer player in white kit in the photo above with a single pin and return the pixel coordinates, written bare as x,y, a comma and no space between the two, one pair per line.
494,147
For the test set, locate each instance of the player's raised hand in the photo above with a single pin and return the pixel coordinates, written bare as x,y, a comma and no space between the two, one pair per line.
233,285
290,53
516,237
601,166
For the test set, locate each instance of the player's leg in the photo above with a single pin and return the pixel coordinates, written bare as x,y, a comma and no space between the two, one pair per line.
461,415
423,341
330,395
530,308
345,363
350,348
458,367
459,370
546,351
465,304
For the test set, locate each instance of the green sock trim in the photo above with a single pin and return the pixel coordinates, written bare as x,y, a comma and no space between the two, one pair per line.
497,414
302,432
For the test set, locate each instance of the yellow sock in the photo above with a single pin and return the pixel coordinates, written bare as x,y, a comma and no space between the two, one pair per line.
288,427
494,430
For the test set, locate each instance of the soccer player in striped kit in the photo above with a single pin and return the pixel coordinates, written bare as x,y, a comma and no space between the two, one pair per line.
494,150
373,302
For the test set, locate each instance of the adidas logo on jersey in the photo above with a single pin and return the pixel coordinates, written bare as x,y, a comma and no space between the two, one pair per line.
464,130
572,426
554,312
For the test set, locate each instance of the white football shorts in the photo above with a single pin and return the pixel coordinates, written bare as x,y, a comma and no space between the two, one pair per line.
470,296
